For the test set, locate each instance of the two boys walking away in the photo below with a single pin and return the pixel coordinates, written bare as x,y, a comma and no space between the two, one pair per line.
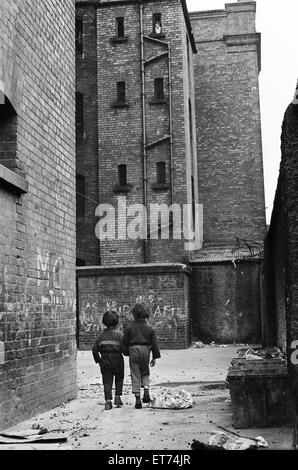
138,342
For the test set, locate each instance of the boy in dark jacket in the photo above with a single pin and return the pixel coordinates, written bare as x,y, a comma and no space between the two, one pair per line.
107,353
141,340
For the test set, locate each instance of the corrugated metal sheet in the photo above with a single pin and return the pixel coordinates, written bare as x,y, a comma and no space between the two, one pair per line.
215,255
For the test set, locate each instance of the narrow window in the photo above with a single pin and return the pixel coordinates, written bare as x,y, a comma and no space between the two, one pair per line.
79,114
120,27
161,177
8,134
80,189
157,28
122,175
79,35
159,89
121,92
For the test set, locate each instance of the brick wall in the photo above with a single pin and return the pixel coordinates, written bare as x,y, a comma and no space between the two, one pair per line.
163,287
225,303
281,256
230,166
280,248
87,146
37,210
274,323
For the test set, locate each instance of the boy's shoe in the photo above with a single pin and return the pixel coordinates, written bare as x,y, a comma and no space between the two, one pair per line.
118,401
108,405
138,404
146,397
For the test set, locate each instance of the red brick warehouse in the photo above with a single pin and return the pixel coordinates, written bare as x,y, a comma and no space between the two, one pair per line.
168,112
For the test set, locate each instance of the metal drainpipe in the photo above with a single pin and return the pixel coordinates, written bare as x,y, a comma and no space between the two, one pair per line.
171,125
144,145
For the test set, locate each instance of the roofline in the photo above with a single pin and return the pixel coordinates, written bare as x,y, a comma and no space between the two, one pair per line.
96,4
188,25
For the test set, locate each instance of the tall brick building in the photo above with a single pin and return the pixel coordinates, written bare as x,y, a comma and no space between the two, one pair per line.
168,111
136,89
37,207
226,289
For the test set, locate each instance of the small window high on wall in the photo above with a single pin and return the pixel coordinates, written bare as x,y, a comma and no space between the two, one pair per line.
122,175
161,175
120,27
8,134
121,92
79,115
157,26
159,89
79,35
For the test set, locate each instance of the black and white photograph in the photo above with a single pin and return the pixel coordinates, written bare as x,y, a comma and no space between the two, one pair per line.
148,228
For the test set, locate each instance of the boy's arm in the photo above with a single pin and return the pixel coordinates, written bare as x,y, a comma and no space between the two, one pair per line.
124,343
95,352
154,348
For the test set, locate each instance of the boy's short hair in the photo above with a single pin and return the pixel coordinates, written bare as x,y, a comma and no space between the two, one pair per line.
140,311
110,318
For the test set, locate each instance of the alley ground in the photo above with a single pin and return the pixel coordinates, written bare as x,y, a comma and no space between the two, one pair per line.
202,372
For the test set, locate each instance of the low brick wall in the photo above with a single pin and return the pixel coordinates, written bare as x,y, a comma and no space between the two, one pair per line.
226,302
165,287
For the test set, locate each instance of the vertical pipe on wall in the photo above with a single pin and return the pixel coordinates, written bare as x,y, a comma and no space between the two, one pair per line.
171,125
144,142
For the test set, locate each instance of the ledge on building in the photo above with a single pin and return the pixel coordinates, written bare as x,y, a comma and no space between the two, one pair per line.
160,186
159,101
122,188
157,36
119,40
150,268
12,181
120,104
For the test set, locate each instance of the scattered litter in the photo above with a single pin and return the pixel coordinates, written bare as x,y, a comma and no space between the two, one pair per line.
22,438
250,356
26,433
260,353
198,344
222,441
41,429
180,400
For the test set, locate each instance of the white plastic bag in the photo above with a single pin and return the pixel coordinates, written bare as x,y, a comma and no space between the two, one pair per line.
223,440
179,401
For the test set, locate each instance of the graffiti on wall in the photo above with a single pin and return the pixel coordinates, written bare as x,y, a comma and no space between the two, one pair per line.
51,277
163,317
50,269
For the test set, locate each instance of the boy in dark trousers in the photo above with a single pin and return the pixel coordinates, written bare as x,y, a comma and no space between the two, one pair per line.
107,353
141,340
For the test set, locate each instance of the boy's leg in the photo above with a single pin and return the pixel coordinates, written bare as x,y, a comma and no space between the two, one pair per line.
145,373
119,380
135,370
107,378
135,373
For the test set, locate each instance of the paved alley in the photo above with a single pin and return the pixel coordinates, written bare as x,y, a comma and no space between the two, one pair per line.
201,372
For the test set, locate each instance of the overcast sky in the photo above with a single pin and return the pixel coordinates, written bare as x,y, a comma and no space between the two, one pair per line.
277,22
